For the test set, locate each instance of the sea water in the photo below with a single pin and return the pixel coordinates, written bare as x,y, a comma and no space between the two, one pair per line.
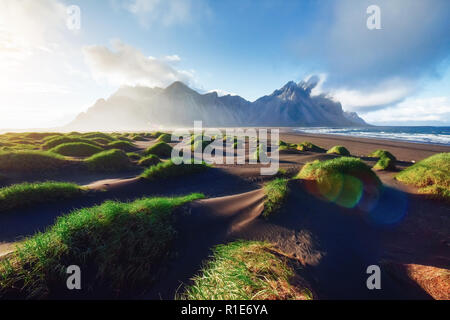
431,135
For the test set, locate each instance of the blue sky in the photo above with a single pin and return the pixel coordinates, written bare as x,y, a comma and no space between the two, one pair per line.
399,74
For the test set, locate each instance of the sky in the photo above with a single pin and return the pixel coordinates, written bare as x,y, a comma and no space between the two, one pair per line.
52,67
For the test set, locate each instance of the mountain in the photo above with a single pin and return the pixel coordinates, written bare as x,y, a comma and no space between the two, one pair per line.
139,108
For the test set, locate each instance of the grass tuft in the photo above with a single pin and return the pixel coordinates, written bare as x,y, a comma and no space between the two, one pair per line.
308,146
108,161
27,194
342,180
76,149
431,176
160,149
168,169
276,192
118,246
30,161
247,270
122,145
340,150
148,161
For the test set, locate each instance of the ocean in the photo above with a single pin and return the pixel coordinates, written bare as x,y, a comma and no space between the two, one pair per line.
431,135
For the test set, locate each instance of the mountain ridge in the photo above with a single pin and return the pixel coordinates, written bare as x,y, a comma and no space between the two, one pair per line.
179,105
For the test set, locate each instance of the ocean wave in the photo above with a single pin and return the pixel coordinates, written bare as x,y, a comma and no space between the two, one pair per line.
429,135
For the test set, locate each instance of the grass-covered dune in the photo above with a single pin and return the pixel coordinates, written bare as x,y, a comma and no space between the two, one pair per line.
340,150
248,270
76,149
431,176
308,146
94,135
276,192
122,145
160,149
118,246
169,169
386,160
345,181
30,161
26,194
148,161
165,137
52,143
108,161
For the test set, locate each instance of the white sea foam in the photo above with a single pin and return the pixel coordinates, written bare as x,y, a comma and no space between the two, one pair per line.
431,135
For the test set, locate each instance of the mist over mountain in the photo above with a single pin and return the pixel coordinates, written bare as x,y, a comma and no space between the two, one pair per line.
139,108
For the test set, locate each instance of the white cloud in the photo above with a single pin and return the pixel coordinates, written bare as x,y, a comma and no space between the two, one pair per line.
167,12
413,110
383,94
27,25
221,93
126,65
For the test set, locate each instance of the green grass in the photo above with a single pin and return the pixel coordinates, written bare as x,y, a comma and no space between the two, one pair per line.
160,149
340,150
247,270
93,135
122,145
276,192
386,160
108,161
31,161
76,149
431,176
148,161
382,154
52,143
134,156
308,146
118,246
100,141
27,194
167,138
168,169
341,180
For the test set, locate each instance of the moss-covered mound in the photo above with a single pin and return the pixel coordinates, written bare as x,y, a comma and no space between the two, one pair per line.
431,176
148,161
382,154
386,160
165,137
122,145
345,181
31,161
26,194
308,146
169,169
160,149
340,150
118,247
76,149
93,135
52,143
108,161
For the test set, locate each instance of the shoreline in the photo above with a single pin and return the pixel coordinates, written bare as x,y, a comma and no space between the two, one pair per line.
404,151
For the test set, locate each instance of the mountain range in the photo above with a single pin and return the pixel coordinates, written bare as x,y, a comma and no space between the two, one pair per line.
139,108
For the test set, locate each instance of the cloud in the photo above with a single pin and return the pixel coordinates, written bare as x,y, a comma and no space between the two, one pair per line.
413,110
222,93
378,97
410,44
126,65
165,12
27,25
